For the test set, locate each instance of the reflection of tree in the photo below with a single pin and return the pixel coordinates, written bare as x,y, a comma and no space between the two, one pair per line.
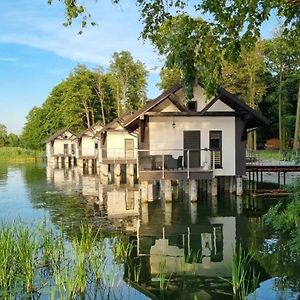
274,255
64,210
3,174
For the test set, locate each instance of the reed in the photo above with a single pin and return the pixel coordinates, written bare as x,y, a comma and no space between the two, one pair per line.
41,261
18,154
26,256
244,278
8,274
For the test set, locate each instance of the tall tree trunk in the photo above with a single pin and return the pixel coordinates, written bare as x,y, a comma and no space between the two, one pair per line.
87,114
100,93
251,139
118,101
280,127
297,124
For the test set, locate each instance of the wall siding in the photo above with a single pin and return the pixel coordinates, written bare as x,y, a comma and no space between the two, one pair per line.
162,136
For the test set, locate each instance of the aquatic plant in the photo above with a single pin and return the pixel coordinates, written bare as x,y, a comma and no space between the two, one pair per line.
37,261
286,220
244,278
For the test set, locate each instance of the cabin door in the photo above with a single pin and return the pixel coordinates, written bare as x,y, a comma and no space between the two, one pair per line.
191,146
129,148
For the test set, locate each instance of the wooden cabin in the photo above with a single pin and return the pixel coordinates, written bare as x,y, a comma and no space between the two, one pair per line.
89,147
201,140
61,147
118,147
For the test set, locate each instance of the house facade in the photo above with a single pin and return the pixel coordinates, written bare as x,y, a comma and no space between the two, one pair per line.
89,147
61,147
203,139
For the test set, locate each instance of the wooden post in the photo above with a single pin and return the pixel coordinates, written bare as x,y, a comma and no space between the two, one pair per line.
214,205
239,205
167,190
104,173
130,174
144,191
144,213
193,189
227,183
168,213
150,192
239,185
117,173
232,185
214,186
193,211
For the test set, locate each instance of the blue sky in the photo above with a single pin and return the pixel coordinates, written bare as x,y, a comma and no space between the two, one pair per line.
37,52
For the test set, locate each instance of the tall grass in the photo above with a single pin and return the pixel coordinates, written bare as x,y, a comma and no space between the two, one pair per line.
17,154
244,278
40,261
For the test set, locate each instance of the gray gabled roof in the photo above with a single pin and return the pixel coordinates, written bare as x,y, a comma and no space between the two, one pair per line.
121,120
58,133
90,129
168,94
255,118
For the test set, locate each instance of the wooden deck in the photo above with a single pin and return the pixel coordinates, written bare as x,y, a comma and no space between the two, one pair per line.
272,168
180,174
119,160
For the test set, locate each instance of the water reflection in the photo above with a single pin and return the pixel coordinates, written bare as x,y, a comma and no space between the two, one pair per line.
189,242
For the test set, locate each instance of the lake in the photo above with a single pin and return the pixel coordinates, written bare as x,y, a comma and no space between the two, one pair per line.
182,250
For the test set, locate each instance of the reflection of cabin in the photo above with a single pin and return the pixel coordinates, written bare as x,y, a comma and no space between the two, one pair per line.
61,147
204,139
89,146
123,204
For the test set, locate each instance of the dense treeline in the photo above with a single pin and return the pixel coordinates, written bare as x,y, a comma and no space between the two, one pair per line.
10,140
86,97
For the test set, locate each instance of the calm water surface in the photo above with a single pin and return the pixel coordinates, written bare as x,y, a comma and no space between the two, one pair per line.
192,242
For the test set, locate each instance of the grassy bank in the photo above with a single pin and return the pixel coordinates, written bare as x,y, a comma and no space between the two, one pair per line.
17,154
287,155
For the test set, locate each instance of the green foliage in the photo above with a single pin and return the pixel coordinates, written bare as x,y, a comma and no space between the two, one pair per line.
38,262
86,97
244,278
195,45
3,135
18,154
128,79
168,78
286,220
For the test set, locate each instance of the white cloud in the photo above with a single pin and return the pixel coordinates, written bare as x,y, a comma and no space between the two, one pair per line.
8,59
118,29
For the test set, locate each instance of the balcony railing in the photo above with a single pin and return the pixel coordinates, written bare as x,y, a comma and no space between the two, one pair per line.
185,160
118,153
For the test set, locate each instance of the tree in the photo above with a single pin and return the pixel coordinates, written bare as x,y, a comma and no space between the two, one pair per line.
13,140
3,135
80,99
168,78
245,78
231,23
128,79
282,59
33,134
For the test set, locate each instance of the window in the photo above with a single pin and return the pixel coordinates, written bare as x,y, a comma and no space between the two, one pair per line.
129,148
215,144
192,105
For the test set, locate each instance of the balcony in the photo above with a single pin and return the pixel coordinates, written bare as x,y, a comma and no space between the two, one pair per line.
118,156
176,164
